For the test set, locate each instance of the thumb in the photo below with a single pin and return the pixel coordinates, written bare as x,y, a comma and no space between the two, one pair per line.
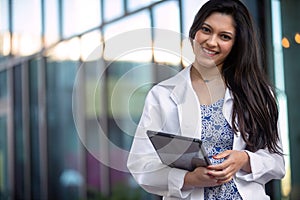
224,154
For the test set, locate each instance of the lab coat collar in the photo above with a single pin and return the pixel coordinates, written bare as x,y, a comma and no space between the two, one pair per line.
187,102
182,81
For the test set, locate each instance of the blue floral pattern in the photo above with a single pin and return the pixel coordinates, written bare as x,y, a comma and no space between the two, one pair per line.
217,136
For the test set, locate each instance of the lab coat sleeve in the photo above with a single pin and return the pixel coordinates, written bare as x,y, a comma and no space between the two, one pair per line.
144,163
265,166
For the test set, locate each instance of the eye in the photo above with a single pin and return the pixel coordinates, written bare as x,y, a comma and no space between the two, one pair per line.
226,37
205,29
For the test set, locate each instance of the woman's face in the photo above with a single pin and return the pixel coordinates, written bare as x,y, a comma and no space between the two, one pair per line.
214,40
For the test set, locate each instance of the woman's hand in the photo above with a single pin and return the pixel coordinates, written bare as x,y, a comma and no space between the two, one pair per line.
214,175
200,178
234,161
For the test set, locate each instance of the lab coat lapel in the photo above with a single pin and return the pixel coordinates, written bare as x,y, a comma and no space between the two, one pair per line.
190,112
187,104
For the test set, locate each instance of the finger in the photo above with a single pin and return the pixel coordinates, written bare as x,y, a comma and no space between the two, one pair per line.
224,154
224,180
226,171
217,174
218,167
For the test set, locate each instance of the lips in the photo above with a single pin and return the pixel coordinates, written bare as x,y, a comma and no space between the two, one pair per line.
209,52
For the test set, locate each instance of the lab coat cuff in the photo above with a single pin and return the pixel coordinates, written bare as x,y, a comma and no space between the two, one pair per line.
175,183
257,168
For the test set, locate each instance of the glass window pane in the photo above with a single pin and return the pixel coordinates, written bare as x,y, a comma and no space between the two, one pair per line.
113,9
134,4
80,15
65,50
3,84
4,15
19,162
93,90
166,16
51,22
189,10
167,37
34,130
65,177
4,30
4,188
91,46
26,36
128,38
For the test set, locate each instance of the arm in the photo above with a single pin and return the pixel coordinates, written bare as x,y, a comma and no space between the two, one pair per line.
261,166
144,163
265,166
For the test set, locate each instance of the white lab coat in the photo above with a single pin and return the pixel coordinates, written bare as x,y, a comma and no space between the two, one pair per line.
172,106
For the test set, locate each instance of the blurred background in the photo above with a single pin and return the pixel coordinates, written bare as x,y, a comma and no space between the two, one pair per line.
66,120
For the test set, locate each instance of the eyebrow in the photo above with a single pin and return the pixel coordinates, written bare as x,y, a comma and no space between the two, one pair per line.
227,32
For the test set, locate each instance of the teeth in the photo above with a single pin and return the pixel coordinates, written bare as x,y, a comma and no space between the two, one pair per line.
209,52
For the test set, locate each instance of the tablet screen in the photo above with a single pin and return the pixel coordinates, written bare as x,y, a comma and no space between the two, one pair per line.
179,151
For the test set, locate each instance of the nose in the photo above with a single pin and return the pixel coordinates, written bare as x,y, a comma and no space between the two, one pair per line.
212,40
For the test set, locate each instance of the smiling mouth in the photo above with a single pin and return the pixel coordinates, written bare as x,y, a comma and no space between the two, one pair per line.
209,53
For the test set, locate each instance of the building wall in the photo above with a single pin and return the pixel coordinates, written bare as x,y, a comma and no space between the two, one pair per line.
73,79
291,31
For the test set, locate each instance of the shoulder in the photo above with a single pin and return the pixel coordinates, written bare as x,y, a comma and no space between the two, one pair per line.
175,84
182,76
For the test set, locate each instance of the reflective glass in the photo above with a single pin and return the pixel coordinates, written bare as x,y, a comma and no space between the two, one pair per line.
134,4
51,9
80,15
113,9
95,121
3,84
65,50
4,15
129,38
166,16
128,84
91,46
4,188
34,130
65,177
167,37
286,26
4,30
26,36
189,10
19,162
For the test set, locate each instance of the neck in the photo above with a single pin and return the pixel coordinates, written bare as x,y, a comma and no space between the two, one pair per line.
205,74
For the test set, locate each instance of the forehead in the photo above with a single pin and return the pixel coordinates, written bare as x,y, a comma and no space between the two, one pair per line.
221,21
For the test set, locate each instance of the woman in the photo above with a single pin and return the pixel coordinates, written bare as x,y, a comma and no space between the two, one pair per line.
224,99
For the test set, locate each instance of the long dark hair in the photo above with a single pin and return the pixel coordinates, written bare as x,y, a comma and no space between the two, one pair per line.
254,106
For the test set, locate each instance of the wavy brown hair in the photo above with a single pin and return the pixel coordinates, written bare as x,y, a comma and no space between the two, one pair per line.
254,106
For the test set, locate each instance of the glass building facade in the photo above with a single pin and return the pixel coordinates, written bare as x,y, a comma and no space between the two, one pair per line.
73,78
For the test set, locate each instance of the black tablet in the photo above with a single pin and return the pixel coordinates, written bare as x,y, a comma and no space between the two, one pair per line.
179,151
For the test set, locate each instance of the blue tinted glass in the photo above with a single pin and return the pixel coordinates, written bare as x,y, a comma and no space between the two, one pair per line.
4,30
34,130
19,162
4,187
52,31
85,14
26,36
3,84
64,175
113,9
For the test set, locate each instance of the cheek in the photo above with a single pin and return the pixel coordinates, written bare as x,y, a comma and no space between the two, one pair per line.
199,36
227,48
